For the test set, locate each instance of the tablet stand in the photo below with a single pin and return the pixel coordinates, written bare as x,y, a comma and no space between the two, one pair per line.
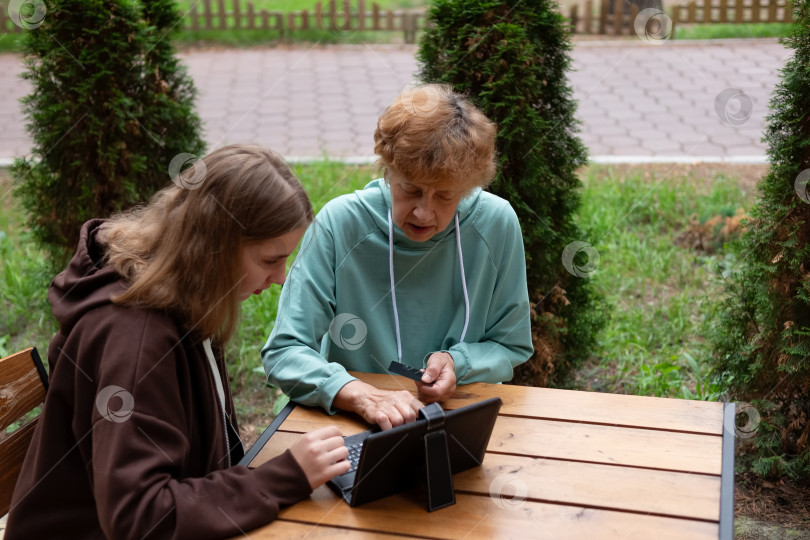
439,481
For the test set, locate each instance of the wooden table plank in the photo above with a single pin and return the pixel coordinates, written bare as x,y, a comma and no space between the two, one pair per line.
655,449
582,484
666,493
585,464
303,419
577,406
686,452
278,443
284,530
488,517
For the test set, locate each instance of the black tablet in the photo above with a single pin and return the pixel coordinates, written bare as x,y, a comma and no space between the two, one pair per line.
388,462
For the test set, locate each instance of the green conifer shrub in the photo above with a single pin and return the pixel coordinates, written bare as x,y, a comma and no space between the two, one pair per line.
762,337
510,57
110,108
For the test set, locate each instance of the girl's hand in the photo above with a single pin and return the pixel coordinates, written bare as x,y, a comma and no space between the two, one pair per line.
321,454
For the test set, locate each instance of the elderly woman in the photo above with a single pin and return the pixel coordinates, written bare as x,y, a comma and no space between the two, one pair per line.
420,267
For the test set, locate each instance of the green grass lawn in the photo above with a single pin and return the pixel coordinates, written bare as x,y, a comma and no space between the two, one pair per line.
662,292
724,31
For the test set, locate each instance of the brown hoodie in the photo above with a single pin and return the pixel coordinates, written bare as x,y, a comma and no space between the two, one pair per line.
131,440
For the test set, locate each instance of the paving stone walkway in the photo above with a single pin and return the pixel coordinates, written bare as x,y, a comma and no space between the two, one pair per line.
691,101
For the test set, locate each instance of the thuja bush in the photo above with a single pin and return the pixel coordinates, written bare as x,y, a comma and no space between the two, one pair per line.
109,110
762,339
511,57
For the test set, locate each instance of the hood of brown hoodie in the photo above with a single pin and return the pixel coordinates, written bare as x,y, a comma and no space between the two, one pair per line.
85,284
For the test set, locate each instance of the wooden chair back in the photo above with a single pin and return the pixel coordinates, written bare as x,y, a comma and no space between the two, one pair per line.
23,382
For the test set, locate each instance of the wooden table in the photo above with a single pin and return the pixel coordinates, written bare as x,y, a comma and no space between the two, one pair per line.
560,464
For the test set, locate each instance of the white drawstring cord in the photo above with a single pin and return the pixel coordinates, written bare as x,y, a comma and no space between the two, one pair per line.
393,288
463,282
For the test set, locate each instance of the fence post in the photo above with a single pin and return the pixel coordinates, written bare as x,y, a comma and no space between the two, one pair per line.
318,16
361,15
251,23
674,23
237,15
772,11
223,15
375,14
618,18
347,15
631,28
207,14
588,16
409,24
332,15
195,23
603,17
573,19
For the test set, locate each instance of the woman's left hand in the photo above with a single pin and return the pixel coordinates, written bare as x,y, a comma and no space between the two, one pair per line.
440,371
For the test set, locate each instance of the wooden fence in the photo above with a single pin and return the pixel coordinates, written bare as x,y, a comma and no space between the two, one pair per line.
601,20
599,17
723,11
347,18
333,16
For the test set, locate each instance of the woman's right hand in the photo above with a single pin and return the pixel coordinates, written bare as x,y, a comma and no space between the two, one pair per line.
322,454
386,408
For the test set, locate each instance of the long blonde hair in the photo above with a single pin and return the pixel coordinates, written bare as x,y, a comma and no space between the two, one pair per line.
181,252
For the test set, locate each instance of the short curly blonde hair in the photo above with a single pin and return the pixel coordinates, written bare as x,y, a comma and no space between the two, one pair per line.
431,133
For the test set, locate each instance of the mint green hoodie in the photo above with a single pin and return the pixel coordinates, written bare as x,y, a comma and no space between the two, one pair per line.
336,312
